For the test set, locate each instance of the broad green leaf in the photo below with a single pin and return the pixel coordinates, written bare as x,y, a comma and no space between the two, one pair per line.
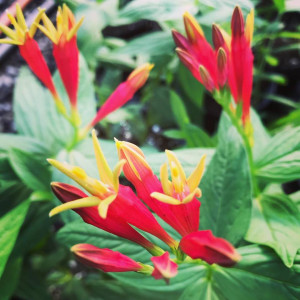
189,158
159,107
6,171
35,112
282,144
191,86
157,10
97,16
32,285
284,169
174,134
276,223
32,171
161,43
25,143
202,289
10,278
194,136
226,188
260,134
36,115
10,225
35,227
295,197
179,110
259,275
12,193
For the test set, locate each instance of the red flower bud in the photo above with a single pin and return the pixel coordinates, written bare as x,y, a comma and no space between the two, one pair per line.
204,245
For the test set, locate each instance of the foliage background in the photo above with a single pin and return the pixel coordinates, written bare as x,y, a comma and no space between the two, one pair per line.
172,111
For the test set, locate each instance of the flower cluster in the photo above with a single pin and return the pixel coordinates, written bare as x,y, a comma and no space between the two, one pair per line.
66,55
115,208
230,63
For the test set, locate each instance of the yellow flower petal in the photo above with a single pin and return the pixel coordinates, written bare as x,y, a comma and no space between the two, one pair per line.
164,178
104,204
105,173
195,178
165,199
249,26
80,203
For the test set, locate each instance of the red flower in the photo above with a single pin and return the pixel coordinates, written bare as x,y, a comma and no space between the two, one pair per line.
241,63
29,48
65,49
88,210
115,203
105,259
204,245
174,201
123,93
164,267
231,62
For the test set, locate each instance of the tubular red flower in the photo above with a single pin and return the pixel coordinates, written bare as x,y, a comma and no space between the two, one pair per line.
65,49
124,92
241,68
66,56
105,259
164,267
33,56
111,200
183,214
204,245
231,62
29,48
112,223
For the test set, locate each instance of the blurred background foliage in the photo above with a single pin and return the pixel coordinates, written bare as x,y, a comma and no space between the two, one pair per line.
171,111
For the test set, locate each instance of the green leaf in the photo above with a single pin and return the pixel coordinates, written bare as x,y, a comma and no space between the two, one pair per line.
32,171
161,43
259,275
280,5
157,10
35,112
6,171
32,285
191,86
10,225
97,16
25,143
284,169
226,188
179,111
10,278
35,227
12,193
260,134
159,107
282,144
276,223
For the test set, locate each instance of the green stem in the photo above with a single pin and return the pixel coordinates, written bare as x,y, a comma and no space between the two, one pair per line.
224,100
75,139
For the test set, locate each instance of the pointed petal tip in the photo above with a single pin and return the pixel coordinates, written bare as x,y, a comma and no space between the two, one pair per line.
237,22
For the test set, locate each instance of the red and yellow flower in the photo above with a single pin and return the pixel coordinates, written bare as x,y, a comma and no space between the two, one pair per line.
116,208
22,36
173,201
65,51
230,63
